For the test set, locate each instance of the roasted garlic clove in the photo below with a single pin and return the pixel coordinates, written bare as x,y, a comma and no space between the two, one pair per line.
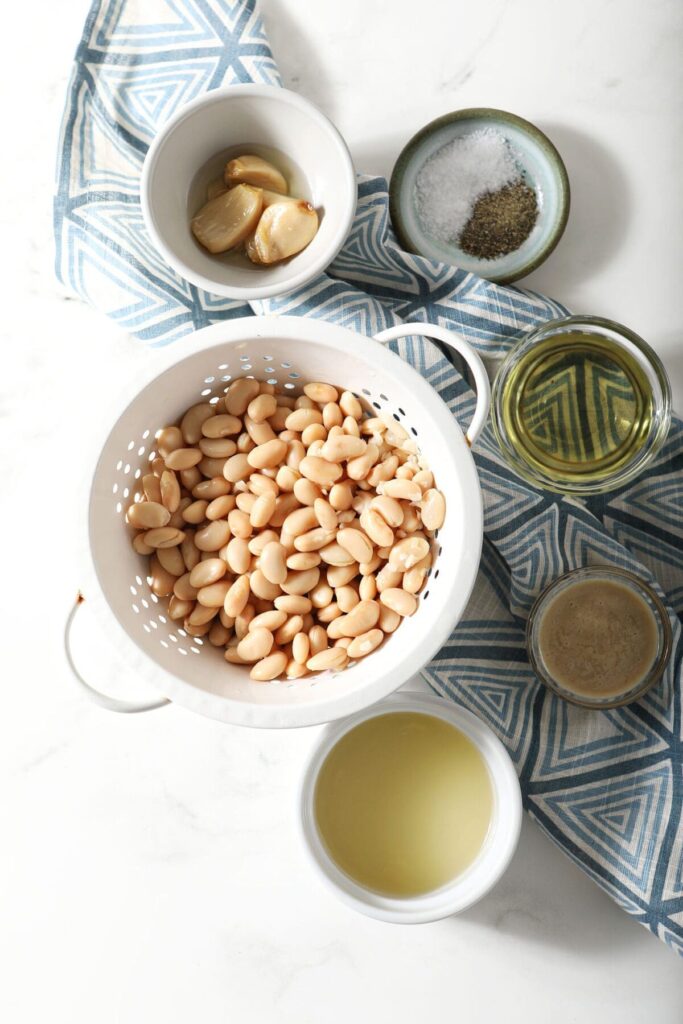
216,188
285,228
254,170
228,219
275,197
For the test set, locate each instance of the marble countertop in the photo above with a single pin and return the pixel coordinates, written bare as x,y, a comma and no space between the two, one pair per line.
150,870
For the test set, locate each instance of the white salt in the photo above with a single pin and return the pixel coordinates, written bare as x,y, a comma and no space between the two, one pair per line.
451,181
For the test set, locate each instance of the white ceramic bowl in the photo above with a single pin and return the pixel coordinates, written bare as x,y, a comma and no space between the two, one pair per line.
538,161
186,155
494,856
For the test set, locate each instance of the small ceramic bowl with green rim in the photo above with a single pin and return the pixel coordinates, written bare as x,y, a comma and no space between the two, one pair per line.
540,168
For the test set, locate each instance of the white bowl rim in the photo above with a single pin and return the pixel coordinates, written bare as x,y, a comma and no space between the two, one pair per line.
291,716
258,291
494,856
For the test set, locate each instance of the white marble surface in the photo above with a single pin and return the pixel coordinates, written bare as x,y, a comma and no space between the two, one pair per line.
149,869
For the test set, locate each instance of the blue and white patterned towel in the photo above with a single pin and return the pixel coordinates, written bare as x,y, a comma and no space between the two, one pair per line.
606,786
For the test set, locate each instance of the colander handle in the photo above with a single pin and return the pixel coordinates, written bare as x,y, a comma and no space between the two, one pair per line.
471,357
124,707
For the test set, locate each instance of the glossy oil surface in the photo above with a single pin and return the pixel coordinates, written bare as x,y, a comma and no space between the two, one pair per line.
578,407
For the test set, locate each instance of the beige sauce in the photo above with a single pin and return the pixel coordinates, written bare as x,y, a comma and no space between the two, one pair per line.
598,638
403,803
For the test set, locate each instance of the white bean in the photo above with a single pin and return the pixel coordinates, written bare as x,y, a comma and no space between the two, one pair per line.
256,645
400,601
240,394
148,515
364,644
321,393
269,668
193,420
273,562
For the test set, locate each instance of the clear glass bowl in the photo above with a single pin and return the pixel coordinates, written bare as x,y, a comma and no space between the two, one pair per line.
615,575
544,406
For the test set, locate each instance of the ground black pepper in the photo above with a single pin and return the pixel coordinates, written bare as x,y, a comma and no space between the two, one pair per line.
500,222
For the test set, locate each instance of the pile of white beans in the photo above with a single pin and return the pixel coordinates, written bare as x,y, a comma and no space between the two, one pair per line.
294,532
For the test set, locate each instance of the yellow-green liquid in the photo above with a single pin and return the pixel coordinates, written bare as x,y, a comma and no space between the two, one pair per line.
577,407
403,803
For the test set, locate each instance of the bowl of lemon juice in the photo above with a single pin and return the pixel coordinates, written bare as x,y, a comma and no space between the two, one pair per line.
411,810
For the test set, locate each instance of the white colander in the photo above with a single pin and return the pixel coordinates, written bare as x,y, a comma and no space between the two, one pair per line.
289,351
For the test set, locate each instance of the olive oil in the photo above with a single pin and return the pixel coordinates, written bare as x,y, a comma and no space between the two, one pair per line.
403,803
577,408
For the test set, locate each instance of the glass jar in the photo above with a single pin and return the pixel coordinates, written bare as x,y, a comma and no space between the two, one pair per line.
581,406
610,574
